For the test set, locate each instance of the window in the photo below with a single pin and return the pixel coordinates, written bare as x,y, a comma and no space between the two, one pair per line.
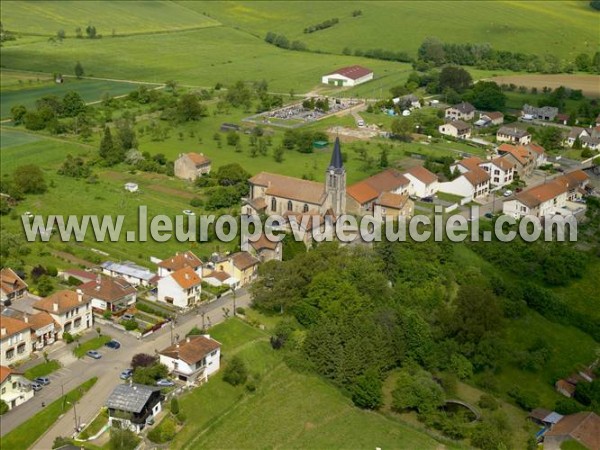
10,353
21,349
77,323
305,208
273,204
290,206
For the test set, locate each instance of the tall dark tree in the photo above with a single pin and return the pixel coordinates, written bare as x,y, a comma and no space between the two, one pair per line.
79,72
29,179
456,78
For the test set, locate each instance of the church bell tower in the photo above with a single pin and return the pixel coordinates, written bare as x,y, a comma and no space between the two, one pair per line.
335,181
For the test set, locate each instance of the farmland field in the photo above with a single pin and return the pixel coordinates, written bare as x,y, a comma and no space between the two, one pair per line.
562,28
588,84
47,17
90,90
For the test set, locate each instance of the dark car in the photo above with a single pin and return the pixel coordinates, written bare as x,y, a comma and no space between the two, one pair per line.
113,344
489,215
427,199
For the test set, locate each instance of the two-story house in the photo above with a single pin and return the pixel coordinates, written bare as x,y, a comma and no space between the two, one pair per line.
70,309
181,288
132,405
178,261
263,248
14,387
513,135
461,111
12,287
190,166
15,340
422,182
456,128
471,184
501,170
192,359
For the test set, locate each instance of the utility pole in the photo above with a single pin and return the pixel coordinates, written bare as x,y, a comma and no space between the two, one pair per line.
234,311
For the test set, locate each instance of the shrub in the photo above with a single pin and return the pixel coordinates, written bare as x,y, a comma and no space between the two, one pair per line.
196,202
486,401
251,386
181,417
130,325
174,406
164,432
525,399
68,337
107,315
366,391
142,360
72,281
236,372
240,310
3,407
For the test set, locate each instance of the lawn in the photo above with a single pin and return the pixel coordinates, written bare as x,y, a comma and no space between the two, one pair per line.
95,426
114,17
582,295
296,410
43,369
92,344
90,90
561,28
28,432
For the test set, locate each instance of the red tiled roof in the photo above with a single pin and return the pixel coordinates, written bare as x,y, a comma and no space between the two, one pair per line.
192,349
539,194
4,373
471,163
243,260
422,174
218,275
494,115
352,72
12,326
264,242
66,301
476,176
181,260
583,427
362,192
198,159
40,320
291,188
390,200
503,163
10,281
107,288
186,277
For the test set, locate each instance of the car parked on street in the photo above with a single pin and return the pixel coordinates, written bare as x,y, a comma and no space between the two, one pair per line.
126,374
164,382
44,381
36,386
128,316
94,354
113,344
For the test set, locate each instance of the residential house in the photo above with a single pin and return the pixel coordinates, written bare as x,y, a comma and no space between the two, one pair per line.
361,196
219,278
588,138
277,194
71,310
84,276
15,389
487,119
544,417
547,113
244,267
462,111
179,261
348,76
538,152
501,169
582,427
523,159
132,273
457,129
192,359
263,248
513,135
565,388
133,405
181,288
12,287
190,166
109,294
545,199
466,164
562,118
575,183
394,205
422,183
44,329
15,340
471,184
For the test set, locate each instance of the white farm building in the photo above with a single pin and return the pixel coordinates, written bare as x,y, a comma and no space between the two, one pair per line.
348,76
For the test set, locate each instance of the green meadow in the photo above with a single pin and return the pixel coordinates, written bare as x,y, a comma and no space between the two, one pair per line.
561,28
46,18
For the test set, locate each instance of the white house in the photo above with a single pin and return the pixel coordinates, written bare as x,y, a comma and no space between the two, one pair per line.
182,288
12,287
109,294
70,310
132,405
192,359
179,261
462,111
348,76
134,274
219,278
14,387
501,170
537,201
471,184
513,135
456,128
423,183
15,340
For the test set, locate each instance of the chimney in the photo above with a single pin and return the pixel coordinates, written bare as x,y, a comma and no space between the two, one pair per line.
98,279
55,307
79,295
2,331
207,336
25,318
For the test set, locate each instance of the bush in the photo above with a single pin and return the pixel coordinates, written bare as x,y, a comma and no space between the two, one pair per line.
181,417
164,432
107,315
72,281
525,399
366,391
251,386
130,325
196,202
236,372
174,406
68,337
240,310
3,407
486,401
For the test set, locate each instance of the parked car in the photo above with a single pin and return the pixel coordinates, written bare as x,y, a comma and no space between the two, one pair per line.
94,354
128,316
113,344
164,382
189,212
36,386
508,193
126,374
427,199
44,381
489,215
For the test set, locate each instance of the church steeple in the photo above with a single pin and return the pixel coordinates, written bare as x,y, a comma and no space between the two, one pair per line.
335,181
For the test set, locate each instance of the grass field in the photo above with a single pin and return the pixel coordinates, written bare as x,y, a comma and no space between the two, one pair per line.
296,411
561,28
28,432
92,344
90,90
43,369
48,17
588,84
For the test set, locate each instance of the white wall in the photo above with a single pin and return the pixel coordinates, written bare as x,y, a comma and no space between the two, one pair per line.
458,186
168,287
420,189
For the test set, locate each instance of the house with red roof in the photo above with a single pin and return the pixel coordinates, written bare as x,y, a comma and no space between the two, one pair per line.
190,166
14,387
348,76
423,183
192,359
181,288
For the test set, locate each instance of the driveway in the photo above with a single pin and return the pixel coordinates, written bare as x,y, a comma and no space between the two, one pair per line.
107,369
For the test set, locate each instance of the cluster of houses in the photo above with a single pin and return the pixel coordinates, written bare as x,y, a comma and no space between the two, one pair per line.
556,429
587,137
567,386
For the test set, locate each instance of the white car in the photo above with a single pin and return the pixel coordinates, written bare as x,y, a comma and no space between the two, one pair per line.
189,212
508,193
361,123
28,214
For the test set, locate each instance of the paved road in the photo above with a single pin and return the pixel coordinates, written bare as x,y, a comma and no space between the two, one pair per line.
107,369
